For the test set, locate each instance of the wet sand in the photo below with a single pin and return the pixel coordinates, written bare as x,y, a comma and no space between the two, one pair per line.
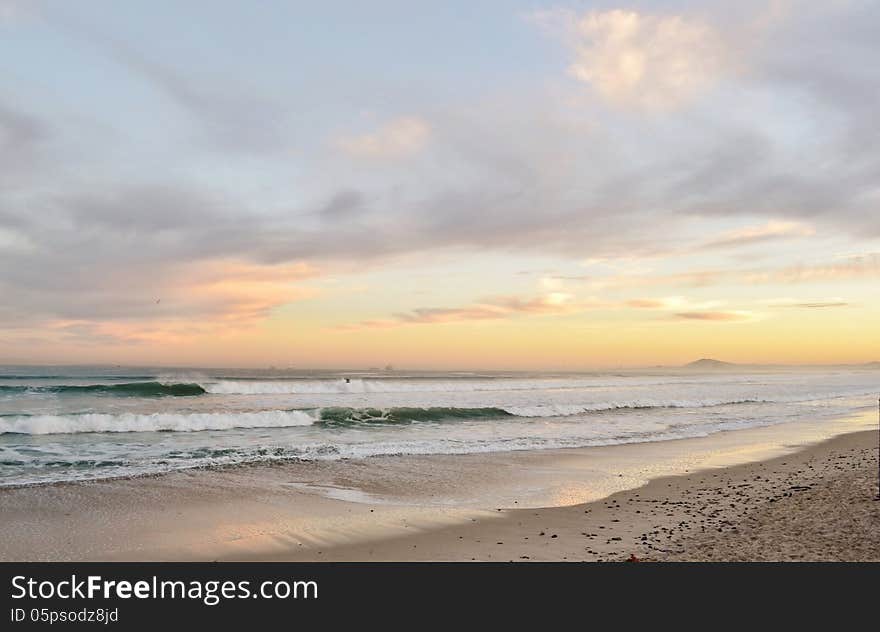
811,501
817,504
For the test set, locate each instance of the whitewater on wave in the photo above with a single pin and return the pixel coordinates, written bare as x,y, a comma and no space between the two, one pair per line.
130,389
165,386
90,423
331,416
156,422
393,385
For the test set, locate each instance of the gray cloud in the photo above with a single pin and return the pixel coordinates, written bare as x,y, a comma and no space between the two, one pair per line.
229,115
17,129
342,205
793,138
21,136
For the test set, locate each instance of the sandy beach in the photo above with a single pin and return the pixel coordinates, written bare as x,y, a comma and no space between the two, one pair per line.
817,504
744,495
502,281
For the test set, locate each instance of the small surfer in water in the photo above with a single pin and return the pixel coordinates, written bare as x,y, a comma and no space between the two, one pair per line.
348,380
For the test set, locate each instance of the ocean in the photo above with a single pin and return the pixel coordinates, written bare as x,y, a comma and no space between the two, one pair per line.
78,423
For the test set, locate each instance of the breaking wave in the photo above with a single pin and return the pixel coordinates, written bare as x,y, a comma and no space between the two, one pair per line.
129,389
327,417
356,385
157,422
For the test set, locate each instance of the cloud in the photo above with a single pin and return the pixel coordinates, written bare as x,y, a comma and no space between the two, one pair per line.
21,136
787,148
13,10
770,231
554,303
852,267
806,304
578,182
211,299
12,240
717,316
697,278
342,205
671,302
108,256
17,129
642,60
552,282
646,303
398,138
217,290
494,308
240,291
226,115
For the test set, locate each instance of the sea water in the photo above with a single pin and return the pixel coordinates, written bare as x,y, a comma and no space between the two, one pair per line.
75,423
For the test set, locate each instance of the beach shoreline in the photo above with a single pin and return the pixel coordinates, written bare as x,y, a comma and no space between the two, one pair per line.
815,504
600,503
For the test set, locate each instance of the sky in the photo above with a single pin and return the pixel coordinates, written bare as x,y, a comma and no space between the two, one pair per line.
497,185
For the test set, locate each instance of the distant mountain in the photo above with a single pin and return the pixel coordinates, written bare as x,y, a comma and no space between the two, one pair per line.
709,363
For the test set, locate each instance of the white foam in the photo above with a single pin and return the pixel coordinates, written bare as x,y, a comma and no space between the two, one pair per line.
128,422
331,387
566,410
